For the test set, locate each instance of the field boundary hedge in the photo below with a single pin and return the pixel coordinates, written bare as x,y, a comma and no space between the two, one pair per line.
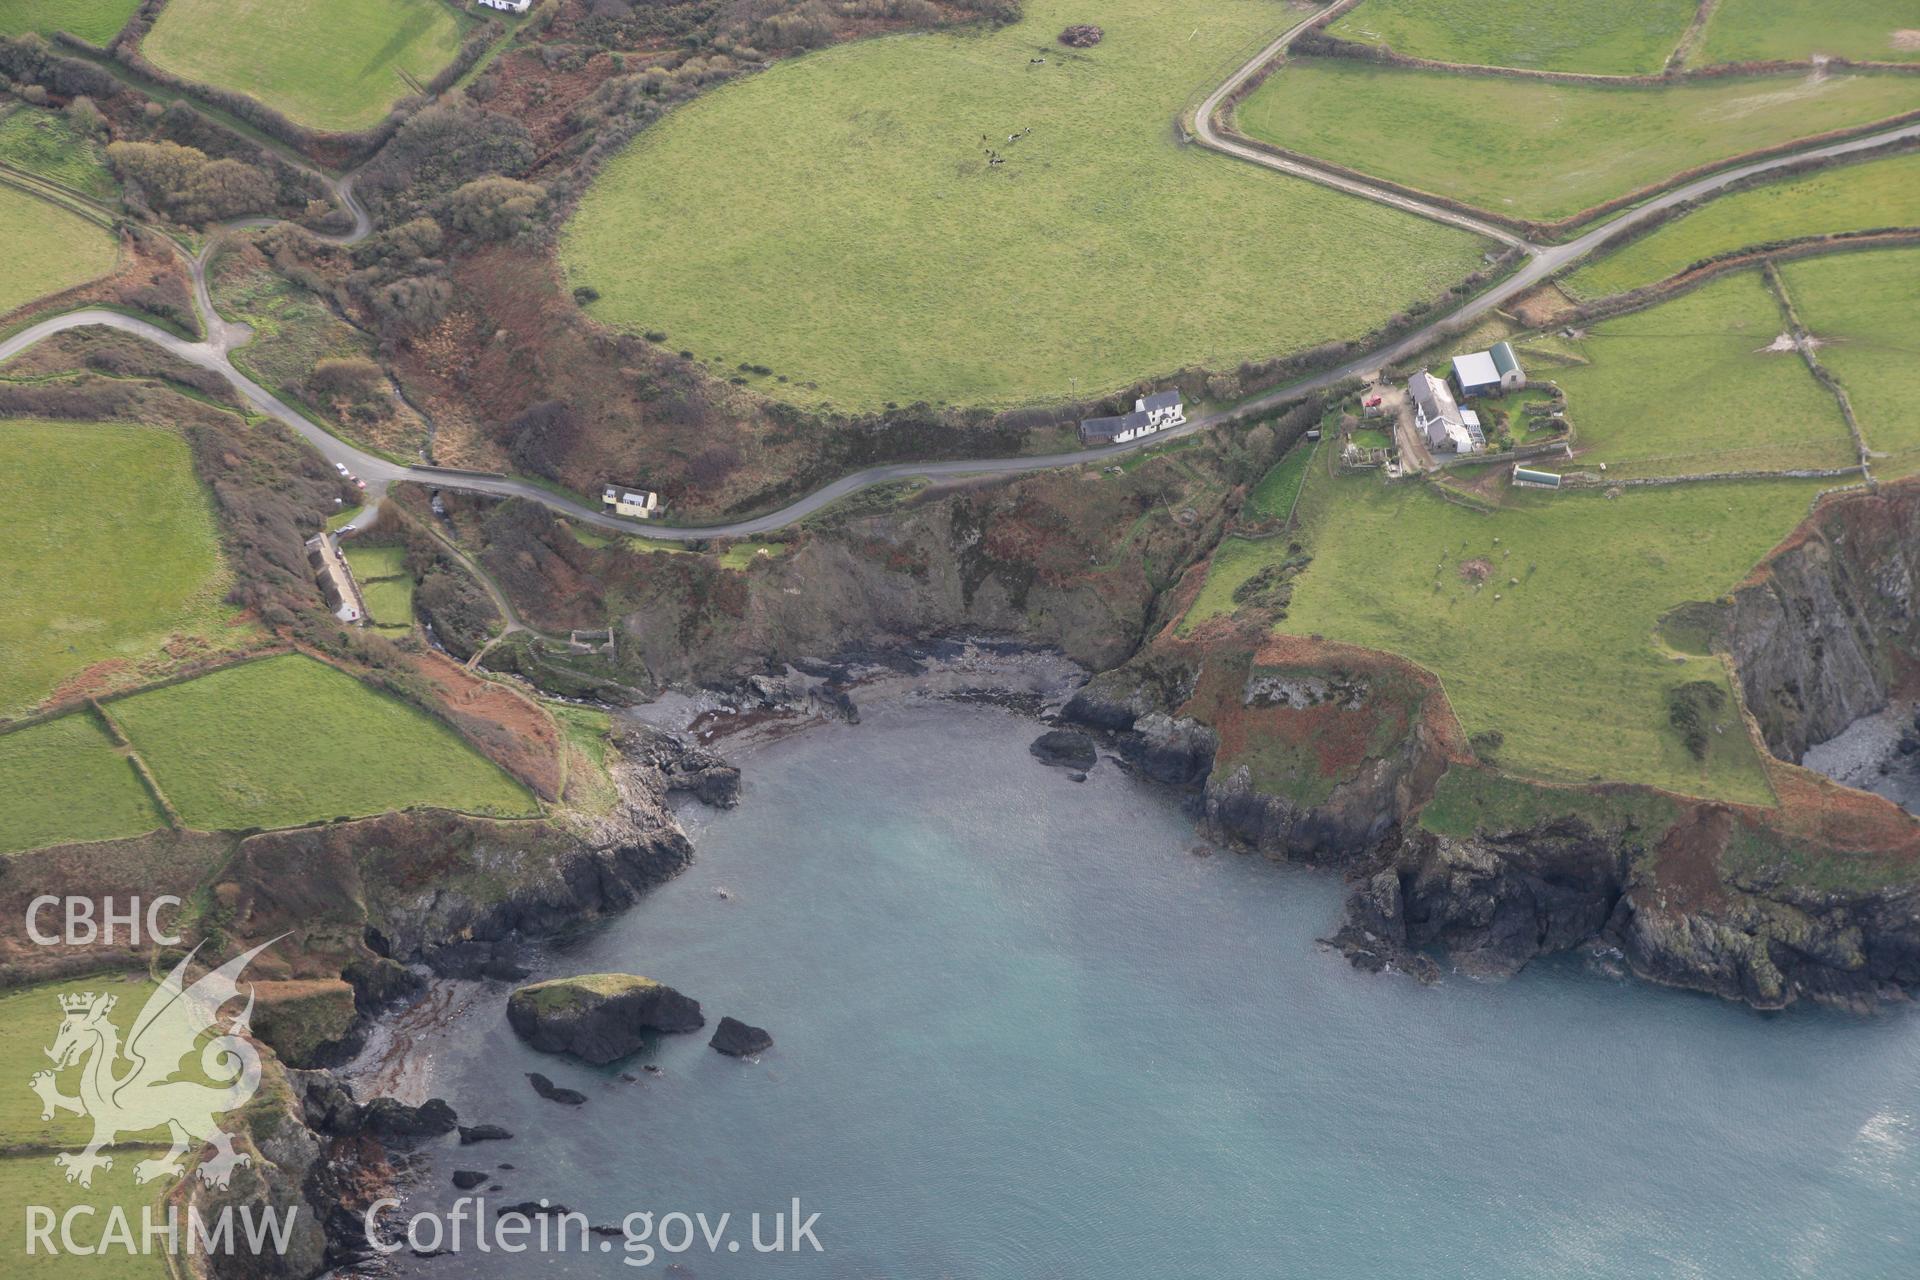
1740,259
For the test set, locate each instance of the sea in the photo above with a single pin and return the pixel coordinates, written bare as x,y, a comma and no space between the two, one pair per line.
1027,1028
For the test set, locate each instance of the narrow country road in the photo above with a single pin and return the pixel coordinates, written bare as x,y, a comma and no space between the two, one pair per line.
1542,262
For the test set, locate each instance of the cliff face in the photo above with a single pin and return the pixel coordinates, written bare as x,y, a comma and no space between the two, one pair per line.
1301,749
1677,902
1822,629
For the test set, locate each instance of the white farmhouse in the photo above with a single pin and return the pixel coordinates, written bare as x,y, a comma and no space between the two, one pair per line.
1158,412
639,504
508,6
1442,422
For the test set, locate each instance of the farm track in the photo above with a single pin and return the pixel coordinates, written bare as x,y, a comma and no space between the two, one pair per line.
1543,261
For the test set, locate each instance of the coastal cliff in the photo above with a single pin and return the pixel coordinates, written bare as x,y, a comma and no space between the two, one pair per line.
1825,628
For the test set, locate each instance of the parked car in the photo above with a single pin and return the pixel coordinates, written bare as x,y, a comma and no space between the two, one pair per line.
341,467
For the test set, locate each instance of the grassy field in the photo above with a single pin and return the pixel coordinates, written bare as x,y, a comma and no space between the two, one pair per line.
858,241
88,579
1866,30
385,584
1863,306
1564,664
1537,150
289,740
29,1019
44,249
1273,497
1550,35
64,780
1234,561
339,69
1853,197
1687,387
43,142
94,20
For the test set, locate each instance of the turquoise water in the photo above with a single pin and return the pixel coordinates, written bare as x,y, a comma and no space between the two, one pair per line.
1023,1031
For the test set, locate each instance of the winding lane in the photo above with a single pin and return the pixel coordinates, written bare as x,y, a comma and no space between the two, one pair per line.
379,473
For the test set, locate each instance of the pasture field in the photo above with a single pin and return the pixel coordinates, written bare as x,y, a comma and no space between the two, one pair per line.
1532,149
1564,663
1793,30
88,580
44,142
1273,496
1852,197
29,1019
44,249
385,584
1234,561
63,780
336,69
1863,307
1688,386
97,21
859,242
289,740
1594,36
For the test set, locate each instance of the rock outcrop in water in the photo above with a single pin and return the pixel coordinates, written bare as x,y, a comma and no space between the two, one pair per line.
739,1039
599,1017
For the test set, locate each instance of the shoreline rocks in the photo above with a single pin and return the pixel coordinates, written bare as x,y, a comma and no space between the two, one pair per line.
555,1093
1066,747
599,1017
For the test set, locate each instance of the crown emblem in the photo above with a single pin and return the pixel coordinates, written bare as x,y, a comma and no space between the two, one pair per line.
76,1003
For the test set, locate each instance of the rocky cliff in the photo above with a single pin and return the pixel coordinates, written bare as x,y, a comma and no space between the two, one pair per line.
1826,626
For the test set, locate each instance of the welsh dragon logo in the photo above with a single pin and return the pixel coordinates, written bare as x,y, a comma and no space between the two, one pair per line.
130,1088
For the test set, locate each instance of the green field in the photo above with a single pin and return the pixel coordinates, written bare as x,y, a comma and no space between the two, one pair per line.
288,740
1545,151
836,219
29,1019
385,584
94,20
1564,664
64,780
1687,387
44,249
1863,306
1865,30
1852,197
89,577
1273,497
1234,561
1597,36
44,142
340,67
